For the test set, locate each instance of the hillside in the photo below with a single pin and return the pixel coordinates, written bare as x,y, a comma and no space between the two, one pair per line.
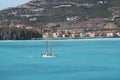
68,14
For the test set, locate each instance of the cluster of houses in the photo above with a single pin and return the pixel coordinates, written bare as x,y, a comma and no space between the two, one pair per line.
72,34
23,26
64,34
75,33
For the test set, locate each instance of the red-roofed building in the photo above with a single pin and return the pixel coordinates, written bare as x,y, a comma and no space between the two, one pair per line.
20,25
29,27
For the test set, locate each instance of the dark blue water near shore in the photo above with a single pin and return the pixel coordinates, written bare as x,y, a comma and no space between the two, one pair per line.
97,59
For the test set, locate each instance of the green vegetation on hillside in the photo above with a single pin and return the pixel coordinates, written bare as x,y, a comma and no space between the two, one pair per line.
12,33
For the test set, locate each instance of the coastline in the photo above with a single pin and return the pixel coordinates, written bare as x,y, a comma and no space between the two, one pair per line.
86,39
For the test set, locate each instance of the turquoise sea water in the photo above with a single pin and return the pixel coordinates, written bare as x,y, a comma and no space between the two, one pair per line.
96,59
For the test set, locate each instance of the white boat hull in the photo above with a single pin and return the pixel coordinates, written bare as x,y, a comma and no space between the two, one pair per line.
48,55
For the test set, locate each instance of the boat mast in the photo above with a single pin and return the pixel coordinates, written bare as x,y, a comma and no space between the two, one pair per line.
47,46
51,47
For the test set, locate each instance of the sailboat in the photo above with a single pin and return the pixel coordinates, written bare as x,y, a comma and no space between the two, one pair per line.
48,54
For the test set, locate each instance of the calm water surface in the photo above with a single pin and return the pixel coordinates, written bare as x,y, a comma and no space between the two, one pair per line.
96,59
